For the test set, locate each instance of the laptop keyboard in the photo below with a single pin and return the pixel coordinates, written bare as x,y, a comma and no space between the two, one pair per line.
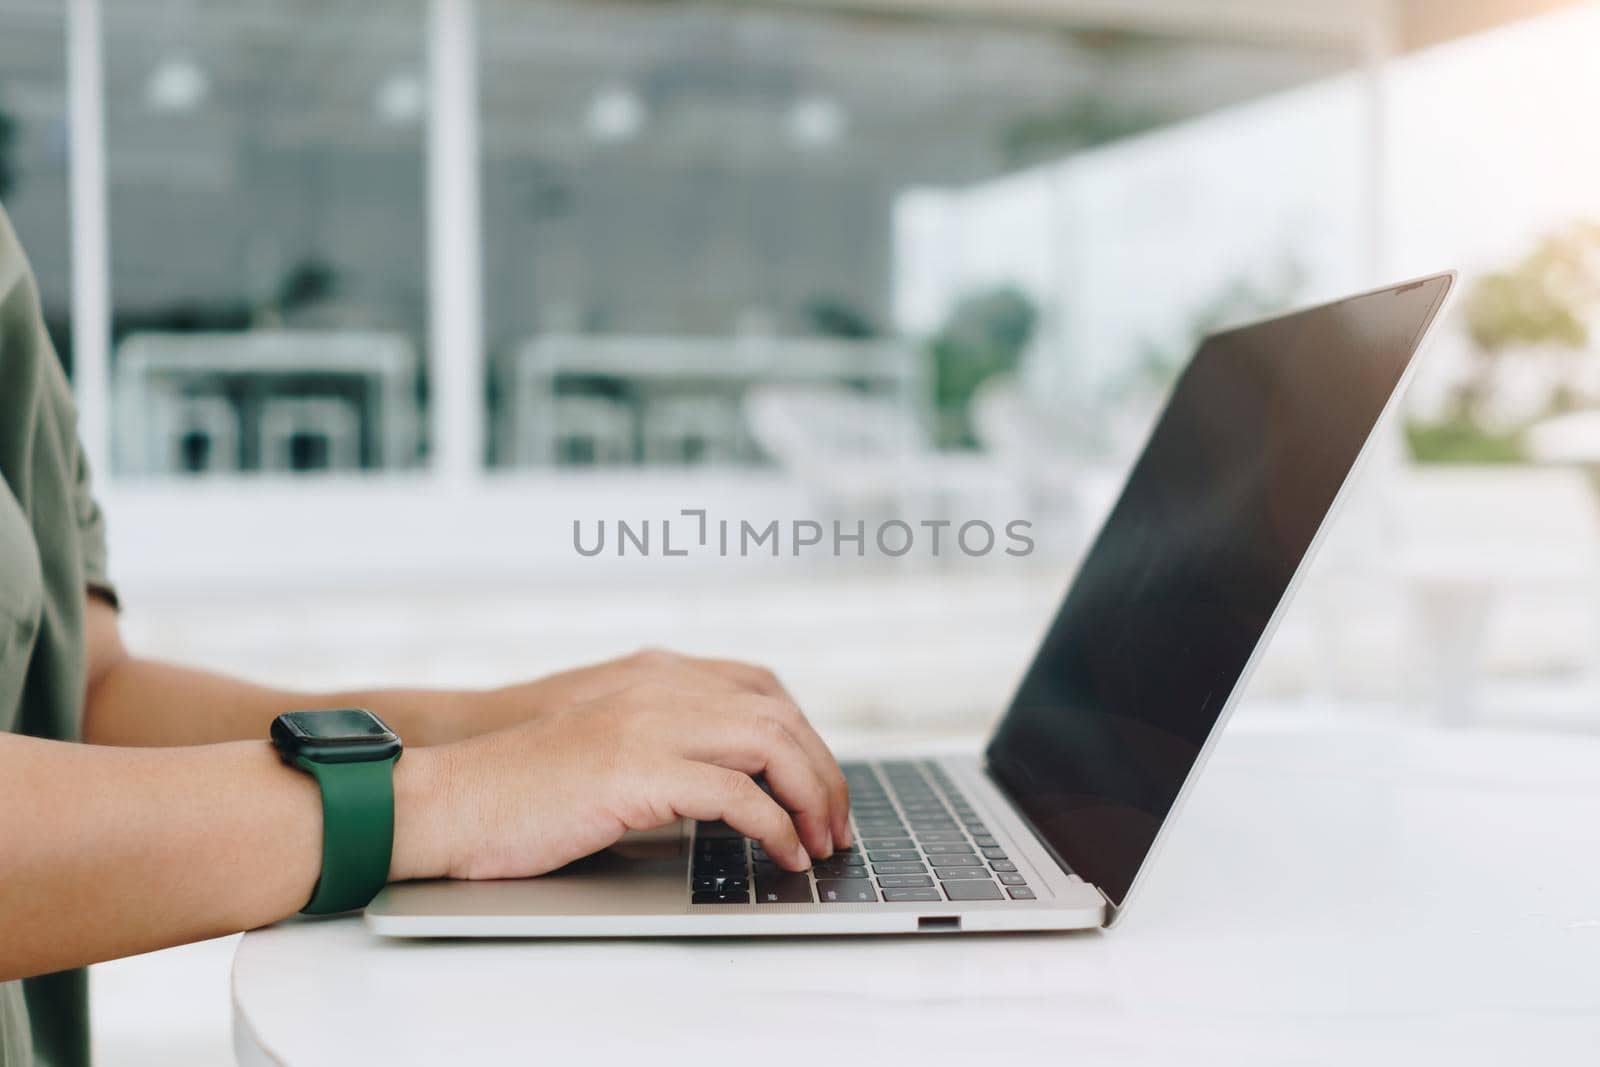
917,839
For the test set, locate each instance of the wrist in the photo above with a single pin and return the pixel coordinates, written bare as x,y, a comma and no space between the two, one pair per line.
507,705
422,836
467,713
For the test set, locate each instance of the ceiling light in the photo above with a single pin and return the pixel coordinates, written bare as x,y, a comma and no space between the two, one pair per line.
399,100
616,114
177,85
816,121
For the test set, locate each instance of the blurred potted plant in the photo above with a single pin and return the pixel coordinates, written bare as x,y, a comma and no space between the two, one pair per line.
8,135
1538,310
985,335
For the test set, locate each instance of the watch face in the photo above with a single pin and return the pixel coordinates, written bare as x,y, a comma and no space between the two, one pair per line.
343,724
342,735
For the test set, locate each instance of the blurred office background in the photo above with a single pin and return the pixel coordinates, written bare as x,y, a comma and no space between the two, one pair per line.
366,302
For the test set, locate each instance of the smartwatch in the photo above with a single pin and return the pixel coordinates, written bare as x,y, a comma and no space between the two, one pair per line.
351,754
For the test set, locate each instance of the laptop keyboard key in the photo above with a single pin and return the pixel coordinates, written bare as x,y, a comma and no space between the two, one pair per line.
898,896
846,892
722,898
895,856
784,888
905,881
984,890
719,885
907,817
719,870
718,846
898,868
828,870
955,861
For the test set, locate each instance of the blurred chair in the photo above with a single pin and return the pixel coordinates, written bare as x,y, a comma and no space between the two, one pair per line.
1043,452
310,433
686,429
663,369
194,434
592,429
866,457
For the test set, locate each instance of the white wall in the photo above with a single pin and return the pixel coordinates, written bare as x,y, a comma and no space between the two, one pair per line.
1490,143
1123,244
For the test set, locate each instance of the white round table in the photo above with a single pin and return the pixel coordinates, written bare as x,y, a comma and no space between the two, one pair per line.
1334,894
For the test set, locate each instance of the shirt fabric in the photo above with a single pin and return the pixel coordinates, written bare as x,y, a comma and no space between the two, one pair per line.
52,549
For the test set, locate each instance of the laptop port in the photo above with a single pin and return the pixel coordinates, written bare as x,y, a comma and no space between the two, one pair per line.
936,923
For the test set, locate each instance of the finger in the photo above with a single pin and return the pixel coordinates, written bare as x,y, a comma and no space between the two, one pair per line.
707,792
763,681
738,736
821,757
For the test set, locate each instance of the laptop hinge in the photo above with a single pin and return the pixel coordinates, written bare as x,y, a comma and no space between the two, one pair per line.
1060,860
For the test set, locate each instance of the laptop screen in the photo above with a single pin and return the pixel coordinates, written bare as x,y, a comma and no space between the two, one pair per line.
1185,575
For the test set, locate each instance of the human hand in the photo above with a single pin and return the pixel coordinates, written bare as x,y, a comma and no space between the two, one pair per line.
662,669
531,798
648,666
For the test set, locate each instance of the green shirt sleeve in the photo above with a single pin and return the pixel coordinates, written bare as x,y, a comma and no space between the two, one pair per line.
52,549
91,521
32,376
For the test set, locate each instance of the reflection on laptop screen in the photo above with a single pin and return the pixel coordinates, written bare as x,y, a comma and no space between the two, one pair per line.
1184,577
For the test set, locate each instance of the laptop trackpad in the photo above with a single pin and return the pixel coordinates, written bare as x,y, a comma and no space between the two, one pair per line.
675,835
644,873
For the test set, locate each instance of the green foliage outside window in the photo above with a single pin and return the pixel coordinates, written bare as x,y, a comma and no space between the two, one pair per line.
985,335
1545,301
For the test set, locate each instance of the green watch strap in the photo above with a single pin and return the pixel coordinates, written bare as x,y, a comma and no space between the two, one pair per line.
357,832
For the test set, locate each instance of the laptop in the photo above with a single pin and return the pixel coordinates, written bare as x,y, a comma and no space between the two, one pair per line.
1054,825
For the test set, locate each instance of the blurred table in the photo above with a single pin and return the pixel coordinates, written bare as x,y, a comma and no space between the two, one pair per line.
1572,440
1335,893
159,373
706,369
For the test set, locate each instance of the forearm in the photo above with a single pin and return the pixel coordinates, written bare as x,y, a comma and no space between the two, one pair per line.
142,702
108,852
132,701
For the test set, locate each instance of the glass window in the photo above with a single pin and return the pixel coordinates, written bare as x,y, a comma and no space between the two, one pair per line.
708,238
268,270
33,152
